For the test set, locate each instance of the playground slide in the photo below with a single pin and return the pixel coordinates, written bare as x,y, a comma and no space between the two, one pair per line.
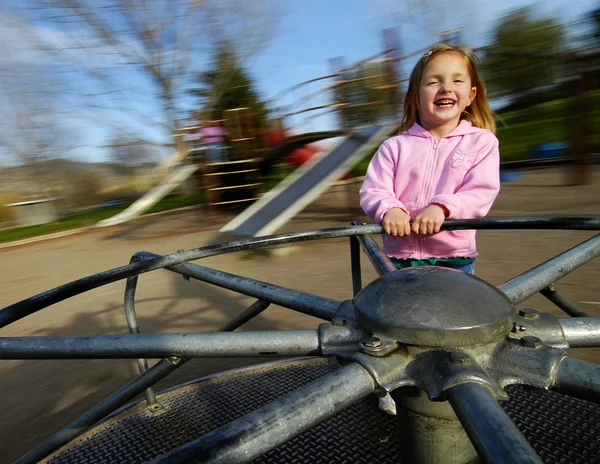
305,184
152,197
170,162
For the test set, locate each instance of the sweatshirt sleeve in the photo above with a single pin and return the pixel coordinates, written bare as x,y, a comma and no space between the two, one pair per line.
377,194
480,186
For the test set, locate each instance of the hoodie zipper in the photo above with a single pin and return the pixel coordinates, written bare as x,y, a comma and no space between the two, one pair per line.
427,186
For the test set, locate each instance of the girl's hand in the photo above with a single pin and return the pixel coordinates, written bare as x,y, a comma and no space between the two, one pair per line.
429,220
396,222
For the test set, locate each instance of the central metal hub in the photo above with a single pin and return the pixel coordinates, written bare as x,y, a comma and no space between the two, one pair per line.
434,306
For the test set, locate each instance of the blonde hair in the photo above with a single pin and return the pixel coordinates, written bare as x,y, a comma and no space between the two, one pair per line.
478,113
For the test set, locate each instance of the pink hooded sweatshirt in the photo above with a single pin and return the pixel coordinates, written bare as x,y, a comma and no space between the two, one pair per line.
413,170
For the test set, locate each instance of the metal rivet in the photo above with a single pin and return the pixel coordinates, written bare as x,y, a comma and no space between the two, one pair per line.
531,342
459,358
528,313
372,342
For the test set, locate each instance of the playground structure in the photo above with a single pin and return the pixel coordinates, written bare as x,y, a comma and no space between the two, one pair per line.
355,100
447,345
363,97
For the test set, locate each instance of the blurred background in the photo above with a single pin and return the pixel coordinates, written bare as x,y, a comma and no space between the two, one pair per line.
102,101
112,110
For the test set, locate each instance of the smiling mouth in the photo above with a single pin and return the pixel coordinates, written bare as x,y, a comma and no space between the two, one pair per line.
444,103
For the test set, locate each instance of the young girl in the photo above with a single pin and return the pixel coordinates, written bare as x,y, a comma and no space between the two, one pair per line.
444,164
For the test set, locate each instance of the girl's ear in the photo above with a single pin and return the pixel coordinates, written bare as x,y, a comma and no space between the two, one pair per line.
472,95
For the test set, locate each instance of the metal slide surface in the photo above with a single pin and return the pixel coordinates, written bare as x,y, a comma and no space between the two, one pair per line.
306,183
152,197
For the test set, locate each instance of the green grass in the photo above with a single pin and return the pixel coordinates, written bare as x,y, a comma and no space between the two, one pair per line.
89,218
519,133
172,202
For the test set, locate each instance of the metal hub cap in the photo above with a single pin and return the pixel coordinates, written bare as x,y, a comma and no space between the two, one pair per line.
434,306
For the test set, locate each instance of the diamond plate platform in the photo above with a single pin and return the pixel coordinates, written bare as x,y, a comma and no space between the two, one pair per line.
561,429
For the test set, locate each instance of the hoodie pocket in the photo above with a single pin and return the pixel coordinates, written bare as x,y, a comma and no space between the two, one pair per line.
449,243
459,233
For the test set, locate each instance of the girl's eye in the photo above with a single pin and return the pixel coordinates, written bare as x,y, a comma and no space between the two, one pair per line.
458,80
431,82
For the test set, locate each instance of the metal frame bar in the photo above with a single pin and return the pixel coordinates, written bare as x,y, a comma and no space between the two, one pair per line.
31,305
355,266
264,429
128,392
563,302
492,432
245,316
531,282
382,263
303,302
132,322
117,399
579,379
303,342
572,377
581,332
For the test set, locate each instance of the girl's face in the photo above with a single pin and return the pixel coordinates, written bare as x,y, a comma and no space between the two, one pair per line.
445,91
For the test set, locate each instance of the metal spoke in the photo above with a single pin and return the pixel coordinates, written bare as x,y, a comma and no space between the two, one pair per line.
563,302
144,381
31,305
248,314
581,332
306,303
191,345
355,266
120,397
132,322
493,434
381,262
264,429
522,223
579,379
531,282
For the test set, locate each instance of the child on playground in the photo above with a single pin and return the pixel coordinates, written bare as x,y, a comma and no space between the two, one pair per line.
444,164
212,138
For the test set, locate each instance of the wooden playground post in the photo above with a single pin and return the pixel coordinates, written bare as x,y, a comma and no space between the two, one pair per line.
579,172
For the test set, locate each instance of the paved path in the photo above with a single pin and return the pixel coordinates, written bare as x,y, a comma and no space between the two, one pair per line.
41,396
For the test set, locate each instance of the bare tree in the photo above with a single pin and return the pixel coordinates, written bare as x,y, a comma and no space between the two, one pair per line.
131,61
429,21
130,152
35,128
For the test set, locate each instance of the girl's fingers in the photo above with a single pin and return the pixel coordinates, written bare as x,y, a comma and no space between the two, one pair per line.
386,227
430,228
416,225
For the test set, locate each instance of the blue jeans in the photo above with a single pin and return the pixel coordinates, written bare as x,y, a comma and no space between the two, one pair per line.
468,268
215,152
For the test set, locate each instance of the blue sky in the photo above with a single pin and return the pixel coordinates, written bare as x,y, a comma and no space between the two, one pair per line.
311,32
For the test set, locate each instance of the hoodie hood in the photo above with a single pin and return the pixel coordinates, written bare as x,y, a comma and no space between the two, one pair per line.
463,128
